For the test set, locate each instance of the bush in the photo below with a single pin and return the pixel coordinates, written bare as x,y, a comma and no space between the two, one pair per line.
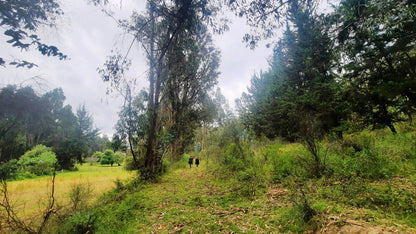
79,196
285,162
236,157
38,161
359,156
129,163
80,223
109,157
251,180
8,170
93,158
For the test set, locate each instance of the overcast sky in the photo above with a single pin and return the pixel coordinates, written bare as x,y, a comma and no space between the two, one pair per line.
87,36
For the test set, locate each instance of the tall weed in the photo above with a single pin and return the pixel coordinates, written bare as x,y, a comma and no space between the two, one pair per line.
79,196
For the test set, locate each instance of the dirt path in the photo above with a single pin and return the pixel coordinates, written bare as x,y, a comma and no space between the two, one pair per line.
188,200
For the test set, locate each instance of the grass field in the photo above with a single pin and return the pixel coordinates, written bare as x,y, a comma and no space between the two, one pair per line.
30,195
188,200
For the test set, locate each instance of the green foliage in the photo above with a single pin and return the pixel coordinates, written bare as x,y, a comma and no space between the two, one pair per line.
80,223
373,36
251,181
129,163
364,164
183,68
92,159
299,84
270,189
301,216
20,21
27,118
239,163
363,155
235,158
109,157
284,162
79,196
291,220
9,170
38,161
84,134
117,143
97,154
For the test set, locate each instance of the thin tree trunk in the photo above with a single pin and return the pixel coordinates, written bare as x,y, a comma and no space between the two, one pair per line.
150,160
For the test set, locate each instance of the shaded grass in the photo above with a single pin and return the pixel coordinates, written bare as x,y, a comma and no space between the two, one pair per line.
199,200
190,201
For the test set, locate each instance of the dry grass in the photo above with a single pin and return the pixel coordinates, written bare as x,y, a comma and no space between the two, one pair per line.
30,196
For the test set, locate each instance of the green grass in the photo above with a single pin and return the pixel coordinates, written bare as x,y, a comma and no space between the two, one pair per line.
287,198
197,201
194,201
30,195
190,201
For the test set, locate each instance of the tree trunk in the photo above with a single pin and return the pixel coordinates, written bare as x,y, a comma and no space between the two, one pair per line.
203,137
149,171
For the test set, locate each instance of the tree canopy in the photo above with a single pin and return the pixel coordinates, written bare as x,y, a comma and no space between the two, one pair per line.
21,20
354,66
28,119
182,69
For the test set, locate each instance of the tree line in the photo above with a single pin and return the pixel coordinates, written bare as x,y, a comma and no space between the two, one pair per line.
330,73
28,119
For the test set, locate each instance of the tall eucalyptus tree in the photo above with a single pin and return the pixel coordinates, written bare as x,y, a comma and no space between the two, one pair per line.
182,66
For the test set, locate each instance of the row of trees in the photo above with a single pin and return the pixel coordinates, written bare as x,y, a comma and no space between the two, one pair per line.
352,67
28,119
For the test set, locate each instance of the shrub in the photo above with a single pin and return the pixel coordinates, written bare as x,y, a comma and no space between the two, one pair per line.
236,157
79,196
129,163
285,162
98,155
118,158
251,180
80,223
8,170
38,161
248,170
92,159
109,157
359,156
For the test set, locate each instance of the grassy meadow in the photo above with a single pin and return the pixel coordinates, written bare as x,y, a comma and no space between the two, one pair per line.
29,196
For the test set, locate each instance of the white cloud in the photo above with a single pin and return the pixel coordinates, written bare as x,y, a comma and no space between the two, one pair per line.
238,62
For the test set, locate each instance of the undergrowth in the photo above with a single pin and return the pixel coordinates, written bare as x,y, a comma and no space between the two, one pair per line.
262,186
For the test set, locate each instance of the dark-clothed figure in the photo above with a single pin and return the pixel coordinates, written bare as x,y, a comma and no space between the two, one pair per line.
191,161
197,161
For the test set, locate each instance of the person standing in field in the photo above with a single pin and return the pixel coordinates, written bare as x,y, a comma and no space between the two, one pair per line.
197,161
191,161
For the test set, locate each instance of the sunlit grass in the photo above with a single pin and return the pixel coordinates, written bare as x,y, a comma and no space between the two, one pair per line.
30,196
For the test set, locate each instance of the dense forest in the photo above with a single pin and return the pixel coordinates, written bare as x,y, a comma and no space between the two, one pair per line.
322,141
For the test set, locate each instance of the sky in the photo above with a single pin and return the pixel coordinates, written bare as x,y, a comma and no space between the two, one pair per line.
88,36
